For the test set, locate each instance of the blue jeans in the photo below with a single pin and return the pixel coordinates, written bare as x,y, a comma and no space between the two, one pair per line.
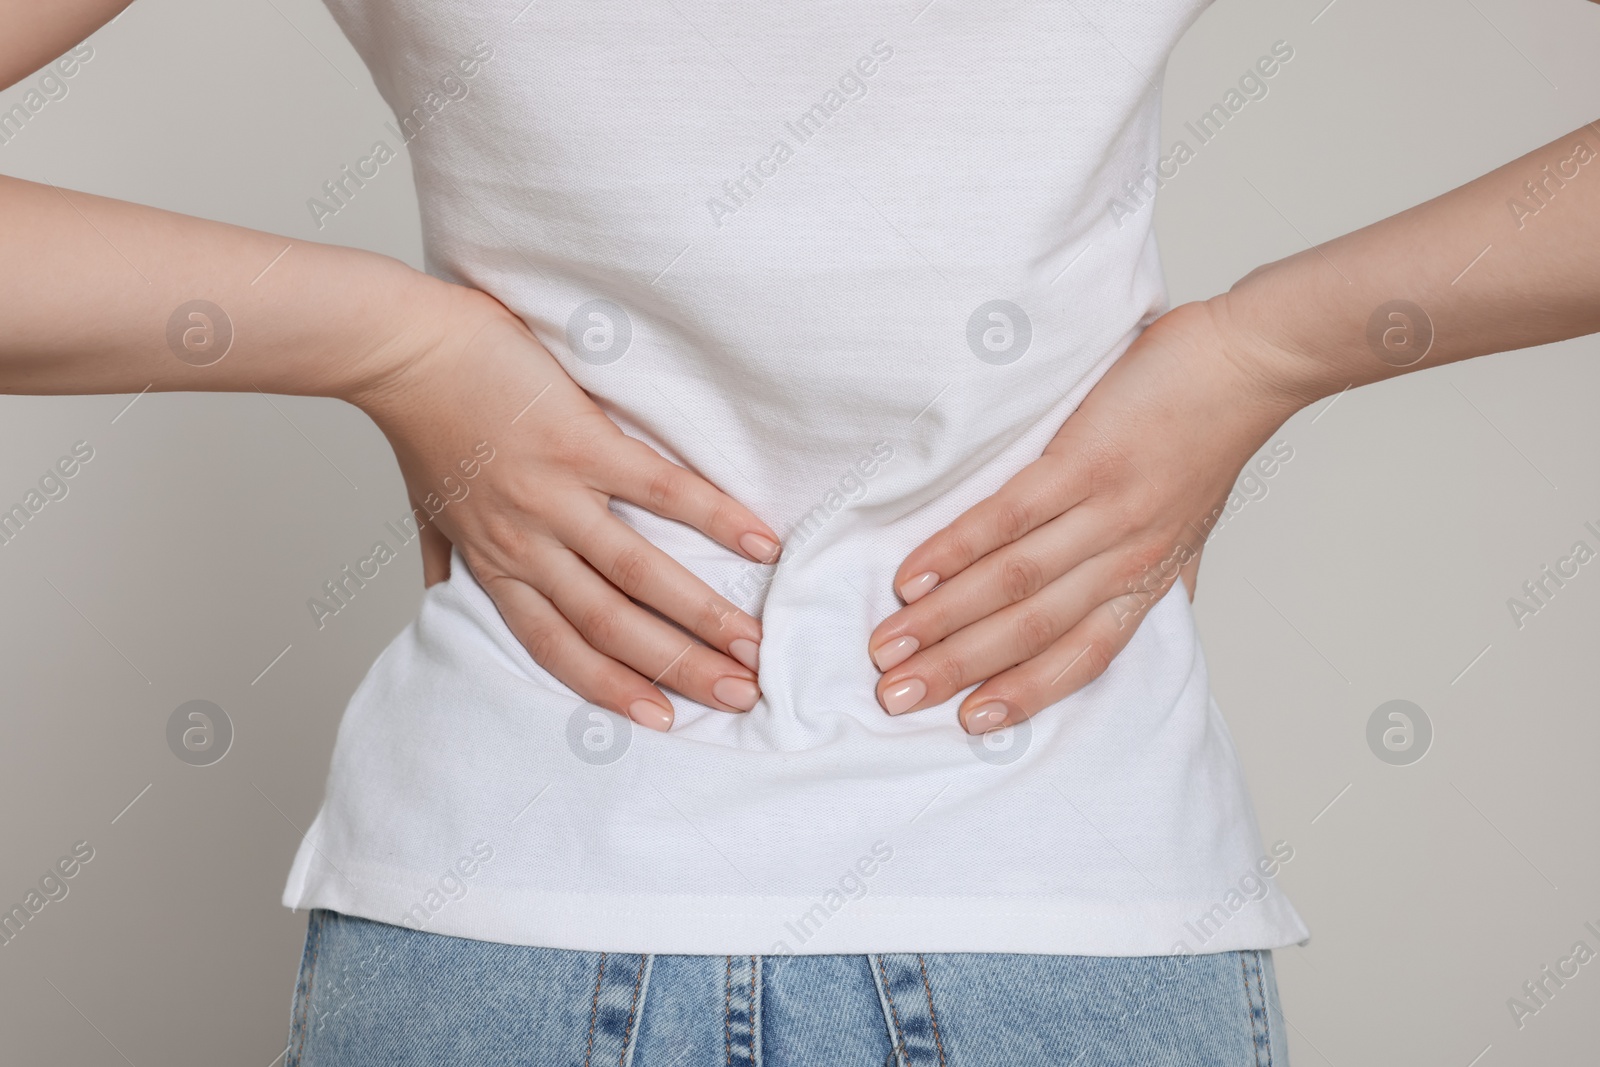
373,994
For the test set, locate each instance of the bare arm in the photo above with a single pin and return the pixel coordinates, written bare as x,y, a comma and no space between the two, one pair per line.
1506,261
92,283
1037,588
104,296
34,33
92,286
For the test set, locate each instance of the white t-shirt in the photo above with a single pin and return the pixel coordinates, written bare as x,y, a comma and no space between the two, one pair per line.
854,263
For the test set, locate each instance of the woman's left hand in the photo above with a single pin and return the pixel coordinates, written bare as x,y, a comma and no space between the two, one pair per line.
1033,591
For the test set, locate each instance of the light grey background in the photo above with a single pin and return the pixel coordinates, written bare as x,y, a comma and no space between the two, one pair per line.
1377,567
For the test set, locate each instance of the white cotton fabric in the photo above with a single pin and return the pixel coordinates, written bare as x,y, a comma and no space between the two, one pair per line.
805,347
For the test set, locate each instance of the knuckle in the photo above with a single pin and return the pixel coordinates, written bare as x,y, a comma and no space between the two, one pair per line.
1021,577
1096,659
665,490
712,616
721,515
1125,520
483,570
504,535
630,570
543,643
600,625
948,670
1036,631
1012,519
959,544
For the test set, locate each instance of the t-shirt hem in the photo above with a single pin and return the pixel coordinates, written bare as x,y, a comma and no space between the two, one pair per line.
693,924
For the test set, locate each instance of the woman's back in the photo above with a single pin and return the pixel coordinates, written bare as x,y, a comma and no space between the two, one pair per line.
858,295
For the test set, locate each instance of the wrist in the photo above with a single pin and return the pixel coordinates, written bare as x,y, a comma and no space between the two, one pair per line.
1255,337
423,317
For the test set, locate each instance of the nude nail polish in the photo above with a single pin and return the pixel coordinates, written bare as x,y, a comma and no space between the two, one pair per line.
649,714
736,692
916,588
757,547
893,653
986,717
904,696
745,651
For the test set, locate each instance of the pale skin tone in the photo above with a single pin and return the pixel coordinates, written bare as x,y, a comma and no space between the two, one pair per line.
1035,595
1032,592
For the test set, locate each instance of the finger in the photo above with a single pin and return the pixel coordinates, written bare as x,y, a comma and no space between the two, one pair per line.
1038,493
616,627
1009,575
1002,640
645,573
435,555
646,478
1077,658
557,647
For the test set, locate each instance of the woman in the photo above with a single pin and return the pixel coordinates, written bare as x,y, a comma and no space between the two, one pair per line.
811,365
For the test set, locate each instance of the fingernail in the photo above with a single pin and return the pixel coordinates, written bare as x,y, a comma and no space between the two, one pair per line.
736,693
893,653
745,651
757,547
903,696
916,588
649,714
986,717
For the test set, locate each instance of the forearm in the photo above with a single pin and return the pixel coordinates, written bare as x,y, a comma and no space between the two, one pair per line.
93,291
1487,274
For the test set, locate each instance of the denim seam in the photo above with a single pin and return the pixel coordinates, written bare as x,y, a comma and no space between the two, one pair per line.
627,1031
631,1045
299,1028
751,1011
933,1018
1250,1007
1266,1009
901,1051
594,1010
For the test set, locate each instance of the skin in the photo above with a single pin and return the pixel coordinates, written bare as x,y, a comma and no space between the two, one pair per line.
1040,585
1033,591
91,284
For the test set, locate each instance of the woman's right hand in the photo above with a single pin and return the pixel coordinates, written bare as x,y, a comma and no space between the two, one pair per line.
534,524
